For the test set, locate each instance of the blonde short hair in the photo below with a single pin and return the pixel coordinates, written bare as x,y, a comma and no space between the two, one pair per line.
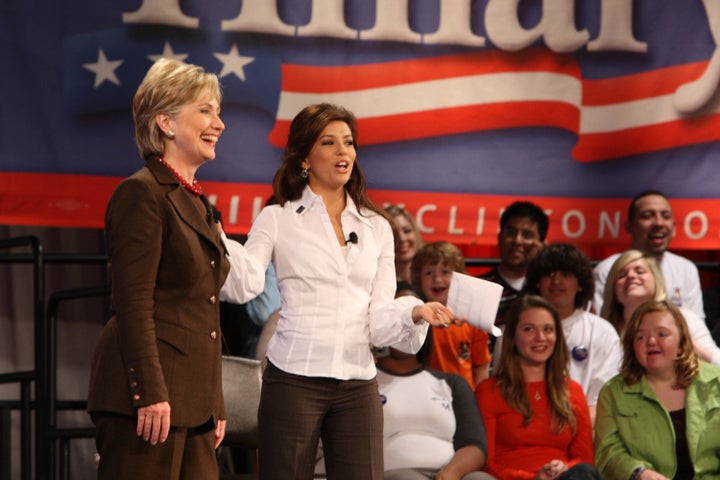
167,86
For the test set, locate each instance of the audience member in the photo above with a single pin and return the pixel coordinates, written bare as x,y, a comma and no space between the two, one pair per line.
432,427
461,349
407,241
537,419
659,419
155,385
652,226
562,274
634,279
333,252
523,229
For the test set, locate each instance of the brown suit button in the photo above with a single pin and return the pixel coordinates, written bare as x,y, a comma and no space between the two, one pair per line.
136,397
213,334
131,371
212,299
133,384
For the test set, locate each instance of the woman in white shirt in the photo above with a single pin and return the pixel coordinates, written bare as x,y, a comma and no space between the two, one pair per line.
333,252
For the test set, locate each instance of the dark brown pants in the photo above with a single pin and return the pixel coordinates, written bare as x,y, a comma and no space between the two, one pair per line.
187,454
296,411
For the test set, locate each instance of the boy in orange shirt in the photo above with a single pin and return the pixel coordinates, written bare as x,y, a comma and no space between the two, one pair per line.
461,349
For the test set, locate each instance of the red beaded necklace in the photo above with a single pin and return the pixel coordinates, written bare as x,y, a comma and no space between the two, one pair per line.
195,188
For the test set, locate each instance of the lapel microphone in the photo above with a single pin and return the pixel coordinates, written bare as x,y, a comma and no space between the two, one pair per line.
352,238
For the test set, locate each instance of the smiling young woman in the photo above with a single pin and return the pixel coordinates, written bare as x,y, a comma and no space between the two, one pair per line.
531,404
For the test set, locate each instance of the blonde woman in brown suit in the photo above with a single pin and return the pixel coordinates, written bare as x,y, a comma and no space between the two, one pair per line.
155,388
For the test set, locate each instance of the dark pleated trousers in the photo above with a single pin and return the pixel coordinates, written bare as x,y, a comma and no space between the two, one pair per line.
187,454
296,411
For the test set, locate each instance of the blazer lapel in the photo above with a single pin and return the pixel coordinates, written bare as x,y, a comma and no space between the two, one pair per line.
188,211
183,203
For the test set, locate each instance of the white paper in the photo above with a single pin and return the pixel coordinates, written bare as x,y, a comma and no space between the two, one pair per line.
475,299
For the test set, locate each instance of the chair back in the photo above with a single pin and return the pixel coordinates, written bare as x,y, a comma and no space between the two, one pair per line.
242,379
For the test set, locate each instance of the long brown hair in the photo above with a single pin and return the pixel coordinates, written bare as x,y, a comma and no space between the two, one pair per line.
510,377
687,364
306,127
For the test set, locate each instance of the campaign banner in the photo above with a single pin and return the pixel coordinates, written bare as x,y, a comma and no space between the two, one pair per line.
463,106
464,219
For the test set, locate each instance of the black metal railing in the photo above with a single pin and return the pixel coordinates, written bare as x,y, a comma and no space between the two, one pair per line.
44,374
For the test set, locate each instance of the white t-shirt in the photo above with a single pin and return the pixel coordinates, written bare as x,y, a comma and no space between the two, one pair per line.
604,353
700,334
419,422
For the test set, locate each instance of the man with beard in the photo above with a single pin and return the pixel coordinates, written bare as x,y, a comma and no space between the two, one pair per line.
652,226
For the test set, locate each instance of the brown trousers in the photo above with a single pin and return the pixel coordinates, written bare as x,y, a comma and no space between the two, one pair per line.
296,411
187,454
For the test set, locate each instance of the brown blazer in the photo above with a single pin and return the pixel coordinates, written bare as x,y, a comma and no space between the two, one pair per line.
167,264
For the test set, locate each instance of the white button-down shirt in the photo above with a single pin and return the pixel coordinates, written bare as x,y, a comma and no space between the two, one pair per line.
336,301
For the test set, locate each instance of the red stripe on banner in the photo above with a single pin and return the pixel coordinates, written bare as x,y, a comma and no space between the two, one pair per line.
464,219
627,88
652,138
458,120
334,79
449,121
693,128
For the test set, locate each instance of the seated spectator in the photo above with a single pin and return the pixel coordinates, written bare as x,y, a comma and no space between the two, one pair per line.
407,241
432,427
634,279
659,419
537,419
563,275
461,349
651,224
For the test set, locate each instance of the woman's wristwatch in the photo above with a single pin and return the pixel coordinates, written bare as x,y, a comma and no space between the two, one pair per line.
637,472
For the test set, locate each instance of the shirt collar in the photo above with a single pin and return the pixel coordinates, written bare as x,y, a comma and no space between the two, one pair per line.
705,375
309,199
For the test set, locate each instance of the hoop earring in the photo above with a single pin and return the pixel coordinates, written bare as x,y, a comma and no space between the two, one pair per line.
170,134
304,172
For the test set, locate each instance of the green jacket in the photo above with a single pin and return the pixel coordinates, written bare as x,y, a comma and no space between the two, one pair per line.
633,428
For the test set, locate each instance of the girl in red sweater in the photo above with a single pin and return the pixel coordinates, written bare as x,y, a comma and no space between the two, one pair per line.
537,419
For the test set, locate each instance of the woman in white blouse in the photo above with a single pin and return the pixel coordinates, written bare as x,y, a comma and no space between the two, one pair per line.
333,251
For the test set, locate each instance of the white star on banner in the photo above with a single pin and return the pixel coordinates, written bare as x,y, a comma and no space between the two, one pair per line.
233,62
104,69
168,53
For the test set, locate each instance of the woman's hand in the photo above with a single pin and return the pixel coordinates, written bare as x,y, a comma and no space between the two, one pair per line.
153,422
435,313
445,475
220,432
552,470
